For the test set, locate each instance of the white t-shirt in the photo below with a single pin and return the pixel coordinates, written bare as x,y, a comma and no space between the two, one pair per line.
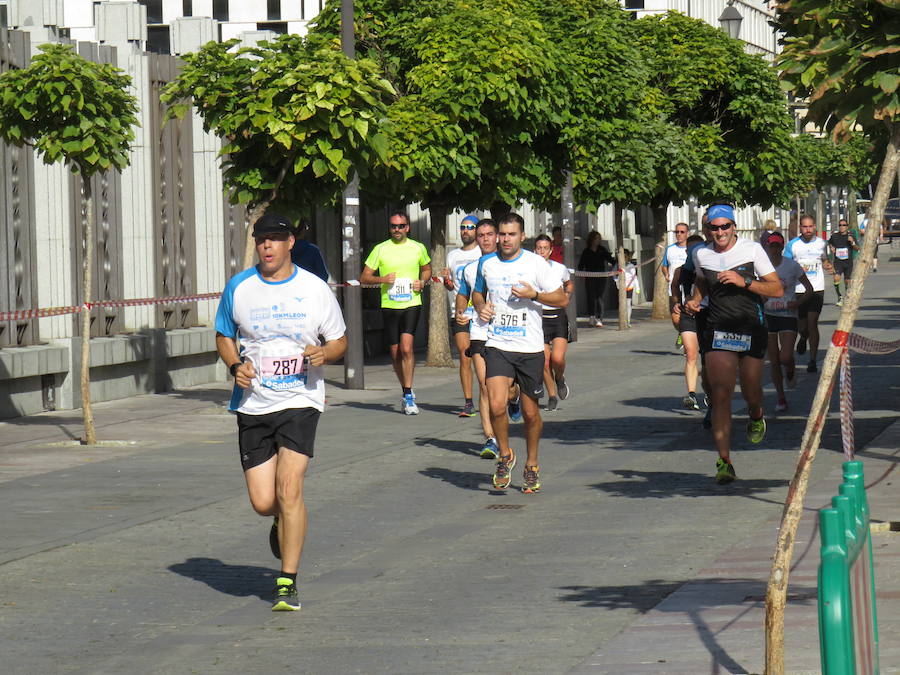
560,273
674,257
275,322
790,272
478,329
457,260
517,325
809,254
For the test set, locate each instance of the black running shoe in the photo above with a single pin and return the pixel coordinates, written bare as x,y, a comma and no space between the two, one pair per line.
273,540
562,388
286,597
707,418
811,367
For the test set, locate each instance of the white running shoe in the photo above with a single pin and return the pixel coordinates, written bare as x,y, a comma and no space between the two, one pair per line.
409,405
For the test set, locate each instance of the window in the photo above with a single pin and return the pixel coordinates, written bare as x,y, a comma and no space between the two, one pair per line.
158,40
273,10
634,4
154,10
279,27
187,7
4,20
220,10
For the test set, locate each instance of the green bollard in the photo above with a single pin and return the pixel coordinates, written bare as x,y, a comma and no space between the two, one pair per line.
835,612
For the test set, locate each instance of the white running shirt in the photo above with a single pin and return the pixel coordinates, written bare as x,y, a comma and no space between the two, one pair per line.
809,254
275,321
478,329
561,274
457,260
674,257
517,325
790,272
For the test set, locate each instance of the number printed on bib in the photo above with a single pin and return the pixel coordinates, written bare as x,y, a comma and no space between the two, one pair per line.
282,369
509,324
811,269
842,253
777,304
732,342
401,290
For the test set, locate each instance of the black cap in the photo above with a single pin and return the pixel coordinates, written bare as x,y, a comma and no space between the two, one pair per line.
272,223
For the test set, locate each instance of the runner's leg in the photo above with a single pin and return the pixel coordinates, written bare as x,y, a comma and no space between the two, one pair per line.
549,383
407,359
531,413
786,340
289,475
775,362
498,388
484,405
751,370
691,359
812,321
465,364
558,358
721,368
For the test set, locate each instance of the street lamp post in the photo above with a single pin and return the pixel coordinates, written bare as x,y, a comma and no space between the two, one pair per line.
730,21
350,254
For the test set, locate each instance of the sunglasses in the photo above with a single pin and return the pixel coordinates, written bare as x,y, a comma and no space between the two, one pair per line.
401,226
467,227
716,228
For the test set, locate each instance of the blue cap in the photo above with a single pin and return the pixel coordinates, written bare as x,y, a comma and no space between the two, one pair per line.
472,218
720,211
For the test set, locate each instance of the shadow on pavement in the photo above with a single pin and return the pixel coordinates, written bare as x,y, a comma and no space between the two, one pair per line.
468,480
700,595
666,484
237,580
465,447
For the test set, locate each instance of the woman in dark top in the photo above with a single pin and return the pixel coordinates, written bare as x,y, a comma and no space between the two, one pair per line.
594,258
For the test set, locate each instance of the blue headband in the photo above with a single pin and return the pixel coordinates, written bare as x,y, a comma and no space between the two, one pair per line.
720,211
471,219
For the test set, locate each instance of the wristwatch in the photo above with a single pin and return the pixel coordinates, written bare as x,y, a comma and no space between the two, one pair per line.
233,368
747,282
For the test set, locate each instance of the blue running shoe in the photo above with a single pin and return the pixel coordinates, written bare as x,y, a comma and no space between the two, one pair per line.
514,410
490,450
409,404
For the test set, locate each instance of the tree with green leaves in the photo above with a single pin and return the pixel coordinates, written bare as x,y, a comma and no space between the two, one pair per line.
718,127
295,119
80,112
476,119
841,57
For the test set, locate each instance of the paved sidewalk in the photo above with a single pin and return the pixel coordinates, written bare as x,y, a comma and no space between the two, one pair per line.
715,623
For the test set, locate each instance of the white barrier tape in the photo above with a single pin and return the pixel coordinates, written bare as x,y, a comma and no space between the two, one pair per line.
846,407
864,345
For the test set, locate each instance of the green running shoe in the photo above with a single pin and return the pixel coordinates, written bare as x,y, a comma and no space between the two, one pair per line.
532,480
756,430
724,472
286,597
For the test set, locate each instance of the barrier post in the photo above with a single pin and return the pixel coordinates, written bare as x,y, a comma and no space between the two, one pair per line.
848,629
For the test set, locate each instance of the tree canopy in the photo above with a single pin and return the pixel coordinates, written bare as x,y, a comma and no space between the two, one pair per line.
69,109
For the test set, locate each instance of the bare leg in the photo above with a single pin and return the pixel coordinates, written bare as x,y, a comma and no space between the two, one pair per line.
558,359
465,364
722,372
812,321
531,413
691,359
549,382
407,359
751,370
775,364
498,391
484,405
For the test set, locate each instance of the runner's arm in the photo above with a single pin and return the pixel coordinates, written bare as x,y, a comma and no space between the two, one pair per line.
807,292
424,277
556,298
368,276
228,352
331,351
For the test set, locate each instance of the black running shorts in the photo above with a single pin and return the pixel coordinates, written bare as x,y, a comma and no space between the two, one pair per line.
457,327
759,341
526,369
781,324
397,321
260,436
687,323
844,267
556,325
475,347
814,304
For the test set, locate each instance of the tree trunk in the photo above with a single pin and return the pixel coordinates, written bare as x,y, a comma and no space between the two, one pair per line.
776,592
438,324
852,216
87,271
660,286
259,210
568,232
620,257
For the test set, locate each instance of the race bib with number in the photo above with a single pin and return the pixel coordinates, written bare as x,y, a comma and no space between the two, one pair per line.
777,304
509,324
282,366
732,342
401,290
842,253
811,269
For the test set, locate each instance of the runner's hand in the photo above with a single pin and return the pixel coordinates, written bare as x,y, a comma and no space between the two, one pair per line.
417,285
524,291
315,354
462,318
730,277
389,279
692,306
486,313
446,278
244,375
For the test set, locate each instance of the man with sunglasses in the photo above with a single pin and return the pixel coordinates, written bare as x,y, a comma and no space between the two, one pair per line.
402,267
811,252
674,257
457,259
736,275
842,245
289,325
